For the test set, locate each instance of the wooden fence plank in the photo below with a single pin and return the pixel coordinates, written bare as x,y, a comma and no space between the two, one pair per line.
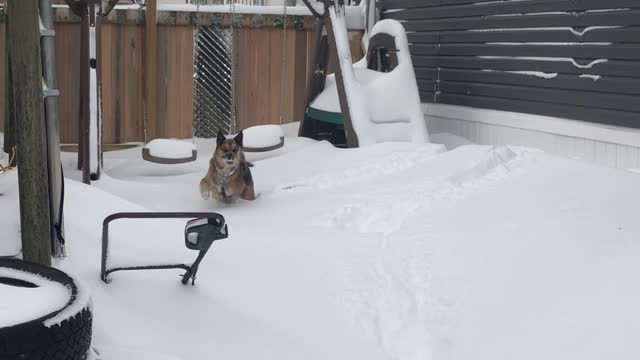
175,82
67,44
259,71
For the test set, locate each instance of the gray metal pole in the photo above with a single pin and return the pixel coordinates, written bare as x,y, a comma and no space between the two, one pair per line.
51,106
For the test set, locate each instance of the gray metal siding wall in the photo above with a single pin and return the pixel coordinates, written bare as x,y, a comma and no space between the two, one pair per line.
577,59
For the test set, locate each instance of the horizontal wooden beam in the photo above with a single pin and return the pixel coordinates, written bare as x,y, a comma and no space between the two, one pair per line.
136,17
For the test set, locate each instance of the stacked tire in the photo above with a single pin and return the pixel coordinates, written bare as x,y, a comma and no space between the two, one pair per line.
68,338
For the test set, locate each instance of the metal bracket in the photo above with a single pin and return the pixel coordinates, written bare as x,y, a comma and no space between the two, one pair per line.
47,92
218,220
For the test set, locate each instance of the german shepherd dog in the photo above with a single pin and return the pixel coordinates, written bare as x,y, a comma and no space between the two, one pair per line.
228,177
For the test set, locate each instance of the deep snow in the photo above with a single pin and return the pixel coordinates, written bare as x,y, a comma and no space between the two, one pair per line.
47,297
391,251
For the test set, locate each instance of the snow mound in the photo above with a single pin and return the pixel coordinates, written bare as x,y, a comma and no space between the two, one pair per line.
82,300
450,141
361,164
384,211
496,158
262,136
170,148
10,244
22,304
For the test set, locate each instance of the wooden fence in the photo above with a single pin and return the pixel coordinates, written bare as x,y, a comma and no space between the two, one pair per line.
259,72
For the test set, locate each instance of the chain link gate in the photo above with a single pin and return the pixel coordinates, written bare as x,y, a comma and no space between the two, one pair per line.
213,102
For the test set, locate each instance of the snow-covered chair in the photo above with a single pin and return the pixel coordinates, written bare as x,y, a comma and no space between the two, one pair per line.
381,89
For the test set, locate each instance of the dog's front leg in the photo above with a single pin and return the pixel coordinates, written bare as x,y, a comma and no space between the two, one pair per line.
205,188
248,193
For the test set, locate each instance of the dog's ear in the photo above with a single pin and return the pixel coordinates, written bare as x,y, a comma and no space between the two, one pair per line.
238,139
220,140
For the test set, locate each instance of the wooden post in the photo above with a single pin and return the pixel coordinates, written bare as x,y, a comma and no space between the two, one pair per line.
150,68
9,116
352,137
317,76
84,152
26,69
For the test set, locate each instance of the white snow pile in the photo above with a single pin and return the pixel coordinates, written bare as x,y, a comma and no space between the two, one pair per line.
19,304
9,223
376,117
395,251
262,136
170,148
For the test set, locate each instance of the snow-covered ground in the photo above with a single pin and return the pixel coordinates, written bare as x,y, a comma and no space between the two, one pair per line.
393,251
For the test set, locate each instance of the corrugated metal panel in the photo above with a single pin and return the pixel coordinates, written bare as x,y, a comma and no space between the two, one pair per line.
576,59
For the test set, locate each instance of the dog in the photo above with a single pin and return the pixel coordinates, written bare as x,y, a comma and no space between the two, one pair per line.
229,177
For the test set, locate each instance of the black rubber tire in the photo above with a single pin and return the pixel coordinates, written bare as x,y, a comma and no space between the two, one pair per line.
32,340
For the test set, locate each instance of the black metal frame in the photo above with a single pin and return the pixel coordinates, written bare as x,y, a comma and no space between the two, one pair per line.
190,271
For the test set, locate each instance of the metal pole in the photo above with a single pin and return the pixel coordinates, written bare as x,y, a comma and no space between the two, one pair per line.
51,111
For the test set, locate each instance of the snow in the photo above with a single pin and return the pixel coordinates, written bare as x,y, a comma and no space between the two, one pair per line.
572,30
534,58
262,136
450,141
48,296
376,116
395,250
354,17
590,76
10,244
171,148
81,302
244,9
355,20
550,43
531,73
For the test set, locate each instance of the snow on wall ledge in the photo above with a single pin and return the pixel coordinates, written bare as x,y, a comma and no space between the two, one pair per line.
606,145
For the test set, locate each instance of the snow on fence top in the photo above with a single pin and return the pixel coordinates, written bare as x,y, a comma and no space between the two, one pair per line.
183,14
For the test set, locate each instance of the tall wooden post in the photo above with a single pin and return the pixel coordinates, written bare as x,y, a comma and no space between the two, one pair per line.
150,68
84,152
26,69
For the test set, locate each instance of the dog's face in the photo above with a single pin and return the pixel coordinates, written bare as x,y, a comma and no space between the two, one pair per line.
228,153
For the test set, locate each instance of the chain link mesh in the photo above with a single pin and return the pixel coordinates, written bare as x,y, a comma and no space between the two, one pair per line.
213,83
